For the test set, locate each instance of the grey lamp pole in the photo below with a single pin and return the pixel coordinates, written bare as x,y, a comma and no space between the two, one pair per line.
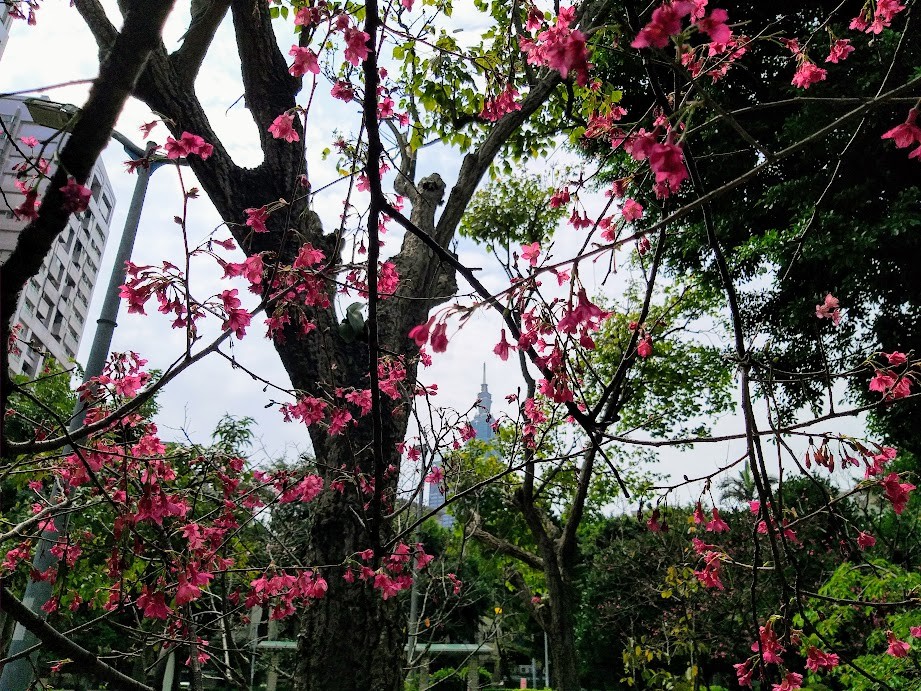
17,674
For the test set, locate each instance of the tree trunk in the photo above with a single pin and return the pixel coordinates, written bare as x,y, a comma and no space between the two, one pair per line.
352,639
560,628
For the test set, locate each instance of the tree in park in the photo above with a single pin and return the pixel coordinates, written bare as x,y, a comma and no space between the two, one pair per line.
530,80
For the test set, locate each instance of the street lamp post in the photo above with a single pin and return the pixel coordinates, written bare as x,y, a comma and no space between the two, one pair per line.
17,674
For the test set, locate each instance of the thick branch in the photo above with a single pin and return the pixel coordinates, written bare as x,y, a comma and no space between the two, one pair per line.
60,644
505,547
270,90
477,163
207,16
95,17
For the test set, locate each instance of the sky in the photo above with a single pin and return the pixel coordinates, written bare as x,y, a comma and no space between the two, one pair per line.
192,405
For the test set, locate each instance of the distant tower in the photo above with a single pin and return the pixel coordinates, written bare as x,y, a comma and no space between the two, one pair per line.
482,425
482,422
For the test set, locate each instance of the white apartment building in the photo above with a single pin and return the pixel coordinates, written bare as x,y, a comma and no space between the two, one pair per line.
53,306
6,21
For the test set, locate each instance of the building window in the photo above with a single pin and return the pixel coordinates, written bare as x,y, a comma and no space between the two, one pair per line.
96,188
45,309
68,238
106,207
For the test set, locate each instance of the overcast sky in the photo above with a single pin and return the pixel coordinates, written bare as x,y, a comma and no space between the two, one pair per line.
60,49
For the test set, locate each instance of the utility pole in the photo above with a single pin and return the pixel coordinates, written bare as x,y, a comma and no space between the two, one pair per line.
17,675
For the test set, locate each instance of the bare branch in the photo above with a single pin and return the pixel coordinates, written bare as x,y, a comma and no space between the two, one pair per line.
61,645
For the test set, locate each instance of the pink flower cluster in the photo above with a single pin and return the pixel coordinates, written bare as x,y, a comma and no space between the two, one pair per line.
907,134
889,382
666,158
667,19
560,48
504,103
393,576
282,591
439,336
187,144
886,10
830,308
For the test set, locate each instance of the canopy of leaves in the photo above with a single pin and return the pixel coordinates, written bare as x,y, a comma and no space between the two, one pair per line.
512,210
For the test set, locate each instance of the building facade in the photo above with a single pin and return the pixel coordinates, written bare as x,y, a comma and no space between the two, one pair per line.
6,23
53,307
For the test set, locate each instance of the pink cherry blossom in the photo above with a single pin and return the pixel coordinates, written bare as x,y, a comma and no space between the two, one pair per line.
631,210
665,22
890,385
30,205
906,134
153,606
896,492
502,347
256,218
76,196
829,309
339,418
188,144
699,514
817,660
440,338
667,161
343,91
237,320
744,673
790,682
714,25
305,60
530,253
807,74
504,103
865,540
385,108
896,647
644,347
356,45
895,358
768,645
840,49
420,333
283,128
717,525
709,576
560,48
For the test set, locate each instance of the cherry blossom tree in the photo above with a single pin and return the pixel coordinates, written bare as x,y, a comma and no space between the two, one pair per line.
532,80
